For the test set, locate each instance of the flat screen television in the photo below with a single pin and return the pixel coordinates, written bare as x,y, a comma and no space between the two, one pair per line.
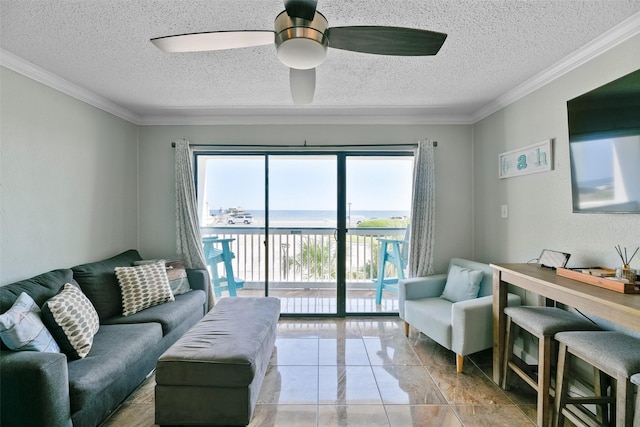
604,147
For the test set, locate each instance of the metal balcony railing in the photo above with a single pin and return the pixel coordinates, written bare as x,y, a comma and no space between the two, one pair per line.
304,257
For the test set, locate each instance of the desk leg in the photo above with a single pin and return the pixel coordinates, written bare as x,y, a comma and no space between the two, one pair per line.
499,325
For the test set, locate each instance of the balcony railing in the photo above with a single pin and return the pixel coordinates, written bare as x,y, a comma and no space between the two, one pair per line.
304,257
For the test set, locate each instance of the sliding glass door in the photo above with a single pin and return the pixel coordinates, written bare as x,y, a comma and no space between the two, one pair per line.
306,228
302,198
231,200
378,199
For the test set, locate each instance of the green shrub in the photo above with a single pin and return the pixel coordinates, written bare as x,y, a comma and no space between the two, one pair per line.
384,223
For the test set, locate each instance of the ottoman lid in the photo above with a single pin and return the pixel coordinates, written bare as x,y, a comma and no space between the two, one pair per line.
225,348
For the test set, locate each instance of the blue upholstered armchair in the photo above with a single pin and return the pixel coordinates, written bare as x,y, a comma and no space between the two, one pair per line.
453,309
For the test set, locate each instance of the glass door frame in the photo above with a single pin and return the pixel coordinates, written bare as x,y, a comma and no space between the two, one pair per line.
341,211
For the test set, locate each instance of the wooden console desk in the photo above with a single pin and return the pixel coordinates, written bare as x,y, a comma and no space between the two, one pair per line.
623,309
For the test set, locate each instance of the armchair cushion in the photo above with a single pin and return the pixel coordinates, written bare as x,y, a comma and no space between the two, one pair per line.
462,284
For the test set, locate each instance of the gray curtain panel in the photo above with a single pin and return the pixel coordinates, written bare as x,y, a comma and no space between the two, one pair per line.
188,239
421,238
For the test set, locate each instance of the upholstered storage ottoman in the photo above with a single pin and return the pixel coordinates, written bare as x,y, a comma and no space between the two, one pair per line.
213,374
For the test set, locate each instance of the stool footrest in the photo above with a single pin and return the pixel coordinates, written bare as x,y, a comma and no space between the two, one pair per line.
522,373
581,416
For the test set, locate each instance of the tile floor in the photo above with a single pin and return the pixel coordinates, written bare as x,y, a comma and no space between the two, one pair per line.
365,372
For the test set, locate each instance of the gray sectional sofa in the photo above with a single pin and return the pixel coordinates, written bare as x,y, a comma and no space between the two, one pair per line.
47,389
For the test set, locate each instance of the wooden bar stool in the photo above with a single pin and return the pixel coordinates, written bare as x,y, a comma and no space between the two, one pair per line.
543,323
614,353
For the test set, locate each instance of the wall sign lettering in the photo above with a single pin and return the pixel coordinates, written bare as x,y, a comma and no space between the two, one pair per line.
530,159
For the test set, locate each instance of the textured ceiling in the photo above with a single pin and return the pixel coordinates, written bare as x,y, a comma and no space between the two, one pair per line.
493,46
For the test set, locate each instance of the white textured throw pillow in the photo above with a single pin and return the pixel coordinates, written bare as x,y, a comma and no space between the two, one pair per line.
462,284
22,329
143,286
72,320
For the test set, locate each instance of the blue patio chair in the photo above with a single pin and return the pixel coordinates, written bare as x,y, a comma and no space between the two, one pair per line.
217,251
395,252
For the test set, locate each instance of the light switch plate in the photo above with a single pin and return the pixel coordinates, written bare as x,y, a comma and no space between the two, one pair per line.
504,211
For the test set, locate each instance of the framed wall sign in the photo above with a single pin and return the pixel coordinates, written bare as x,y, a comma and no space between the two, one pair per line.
533,158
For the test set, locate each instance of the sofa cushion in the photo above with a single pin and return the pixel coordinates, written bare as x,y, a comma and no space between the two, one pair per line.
72,321
431,316
143,286
99,283
121,356
462,284
22,329
170,314
40,288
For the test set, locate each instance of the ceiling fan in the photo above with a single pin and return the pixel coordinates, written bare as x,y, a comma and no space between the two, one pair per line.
302,36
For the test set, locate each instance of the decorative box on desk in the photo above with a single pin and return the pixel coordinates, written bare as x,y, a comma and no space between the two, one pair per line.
610,283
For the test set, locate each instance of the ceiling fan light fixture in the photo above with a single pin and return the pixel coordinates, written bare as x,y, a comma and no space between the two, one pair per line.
301,44
301,54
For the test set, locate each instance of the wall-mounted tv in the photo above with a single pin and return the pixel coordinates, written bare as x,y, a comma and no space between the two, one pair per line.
604,147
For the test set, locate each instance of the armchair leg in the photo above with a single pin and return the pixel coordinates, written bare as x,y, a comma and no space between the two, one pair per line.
406,329
459,362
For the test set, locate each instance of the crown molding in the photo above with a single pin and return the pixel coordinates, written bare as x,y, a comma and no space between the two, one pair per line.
617,35
305,116
34,72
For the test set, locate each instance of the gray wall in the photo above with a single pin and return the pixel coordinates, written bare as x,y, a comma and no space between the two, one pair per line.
454,165
540,209
68,177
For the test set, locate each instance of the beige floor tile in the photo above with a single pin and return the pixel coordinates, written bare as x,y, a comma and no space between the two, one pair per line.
284,416
290,328
352,416
290,385
383,328
343,352
347,385
429,352
145,394
422,416
471,387
492,416
407,385
395,351
339,328
132,415
295,351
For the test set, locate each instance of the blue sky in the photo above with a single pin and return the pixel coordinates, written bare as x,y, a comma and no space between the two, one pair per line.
309,183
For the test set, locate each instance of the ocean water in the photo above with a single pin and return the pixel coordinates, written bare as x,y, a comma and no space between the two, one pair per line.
321,215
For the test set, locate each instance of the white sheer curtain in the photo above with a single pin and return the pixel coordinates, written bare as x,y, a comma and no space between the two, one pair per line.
421,238
188,239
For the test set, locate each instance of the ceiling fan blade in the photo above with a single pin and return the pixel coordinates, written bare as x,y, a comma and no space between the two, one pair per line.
215,40
380,40
305,9
303,85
